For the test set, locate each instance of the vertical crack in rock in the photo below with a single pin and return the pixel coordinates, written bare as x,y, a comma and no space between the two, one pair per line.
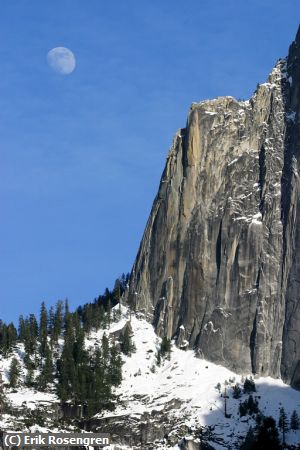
225,228
290,365
252,344
219,251
262,175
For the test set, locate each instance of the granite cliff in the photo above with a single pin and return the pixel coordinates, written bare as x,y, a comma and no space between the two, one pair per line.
218,267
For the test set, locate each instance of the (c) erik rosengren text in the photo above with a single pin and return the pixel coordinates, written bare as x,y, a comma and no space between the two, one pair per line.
54,439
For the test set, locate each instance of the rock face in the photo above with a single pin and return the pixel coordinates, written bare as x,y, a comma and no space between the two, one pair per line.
220,257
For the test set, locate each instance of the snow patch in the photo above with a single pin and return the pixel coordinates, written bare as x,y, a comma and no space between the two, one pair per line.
232,162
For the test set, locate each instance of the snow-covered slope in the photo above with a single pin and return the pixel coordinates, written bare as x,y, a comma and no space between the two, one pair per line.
185,390
192,381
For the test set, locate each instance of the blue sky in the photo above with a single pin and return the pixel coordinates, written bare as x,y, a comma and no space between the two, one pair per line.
81,155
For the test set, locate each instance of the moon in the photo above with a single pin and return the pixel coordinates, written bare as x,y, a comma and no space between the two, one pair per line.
61,60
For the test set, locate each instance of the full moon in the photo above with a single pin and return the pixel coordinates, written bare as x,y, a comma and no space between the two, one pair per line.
61,60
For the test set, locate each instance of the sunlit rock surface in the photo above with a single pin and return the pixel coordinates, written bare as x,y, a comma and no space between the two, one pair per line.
219,262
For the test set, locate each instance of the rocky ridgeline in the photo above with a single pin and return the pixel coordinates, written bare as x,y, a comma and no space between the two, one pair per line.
218,265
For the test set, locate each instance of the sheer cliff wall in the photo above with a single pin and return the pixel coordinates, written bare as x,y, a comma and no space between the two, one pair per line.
218,267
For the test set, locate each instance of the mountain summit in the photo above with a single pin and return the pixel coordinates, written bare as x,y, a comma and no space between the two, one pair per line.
218,267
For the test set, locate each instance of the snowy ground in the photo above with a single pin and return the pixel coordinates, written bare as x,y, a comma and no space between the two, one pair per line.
23,396
185,377
193,381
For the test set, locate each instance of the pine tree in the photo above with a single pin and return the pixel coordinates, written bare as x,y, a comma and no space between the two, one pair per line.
249,406
29,366
3,399
29,379
127,346
66,365
12,335
43,330
249,386
8,337
105,347
99,315
105,321
243,409
115,368
124,281
58,321
267,435
88,318
22,329
237,391
117,291
283,423
79,353
2,336
76,323
165,347
31,334
66,374
66,313
46,375
51,324
99,390
108,312
249,440
34,329
14,372
252,405
85,376
295,422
